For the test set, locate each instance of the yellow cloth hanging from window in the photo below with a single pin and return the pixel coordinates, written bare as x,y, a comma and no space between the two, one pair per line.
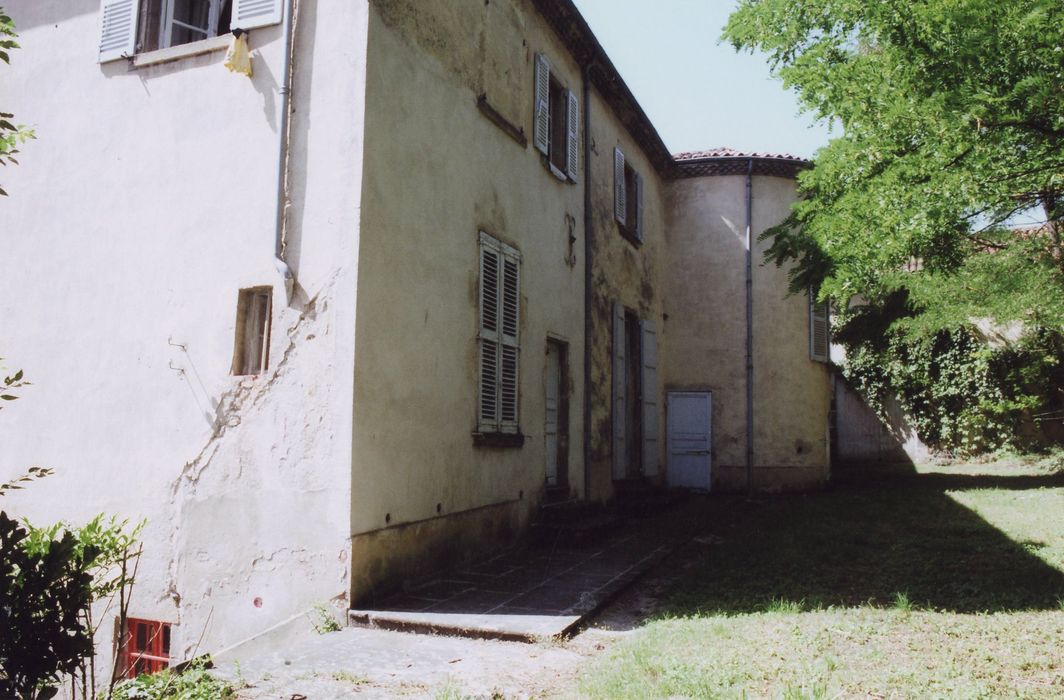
238,58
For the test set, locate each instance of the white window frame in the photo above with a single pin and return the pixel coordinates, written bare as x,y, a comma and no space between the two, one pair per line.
498,337
166,31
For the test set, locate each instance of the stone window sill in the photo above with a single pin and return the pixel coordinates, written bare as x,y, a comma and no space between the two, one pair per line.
498,440
174,53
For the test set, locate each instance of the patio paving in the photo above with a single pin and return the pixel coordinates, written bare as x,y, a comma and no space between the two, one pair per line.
534,593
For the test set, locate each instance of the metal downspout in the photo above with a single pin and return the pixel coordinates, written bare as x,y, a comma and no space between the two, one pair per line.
749,329
284,148
588,222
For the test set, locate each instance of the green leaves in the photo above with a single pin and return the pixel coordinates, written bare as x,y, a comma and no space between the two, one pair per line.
11,136
954,123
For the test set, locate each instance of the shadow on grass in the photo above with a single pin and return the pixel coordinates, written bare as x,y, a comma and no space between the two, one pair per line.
900,542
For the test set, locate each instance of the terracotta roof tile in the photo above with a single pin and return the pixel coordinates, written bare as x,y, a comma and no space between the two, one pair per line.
726,152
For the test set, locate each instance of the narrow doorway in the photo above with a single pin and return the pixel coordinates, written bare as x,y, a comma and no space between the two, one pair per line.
556,420
633,418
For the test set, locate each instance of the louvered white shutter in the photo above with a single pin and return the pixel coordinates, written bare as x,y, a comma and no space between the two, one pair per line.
500,323
637,225
818,329
250,14
572,140
649,383
490,260
118,29
541,116
509,311
620,402
620,199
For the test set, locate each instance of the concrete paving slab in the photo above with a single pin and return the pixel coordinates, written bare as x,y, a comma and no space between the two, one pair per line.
529,594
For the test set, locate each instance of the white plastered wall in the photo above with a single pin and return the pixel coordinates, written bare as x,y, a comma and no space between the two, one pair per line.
147,201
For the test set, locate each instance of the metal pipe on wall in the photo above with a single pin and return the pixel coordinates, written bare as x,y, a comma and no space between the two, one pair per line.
284,146
749,328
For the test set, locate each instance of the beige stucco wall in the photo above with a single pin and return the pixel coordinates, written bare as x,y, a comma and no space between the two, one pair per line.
706,334
146,203
622,272
437,173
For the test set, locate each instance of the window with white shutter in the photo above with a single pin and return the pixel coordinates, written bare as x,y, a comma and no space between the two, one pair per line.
627,197
556,122
819,329
128,27
499,337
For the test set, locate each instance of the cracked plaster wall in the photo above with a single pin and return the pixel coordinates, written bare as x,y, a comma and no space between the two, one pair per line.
146,203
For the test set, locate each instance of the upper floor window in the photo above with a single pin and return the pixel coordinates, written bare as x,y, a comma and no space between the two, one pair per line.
128,27
627,197
819,329
166,23
556,128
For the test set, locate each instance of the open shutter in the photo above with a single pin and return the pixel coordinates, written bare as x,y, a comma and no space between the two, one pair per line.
508,374
620,199
637,183
649,383
572,140
118,29
541,120
818,329
250,14
620,401
490,261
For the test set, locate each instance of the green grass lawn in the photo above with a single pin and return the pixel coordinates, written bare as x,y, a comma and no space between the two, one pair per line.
945,583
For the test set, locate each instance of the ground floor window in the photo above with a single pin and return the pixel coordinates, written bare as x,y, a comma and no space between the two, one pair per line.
145,647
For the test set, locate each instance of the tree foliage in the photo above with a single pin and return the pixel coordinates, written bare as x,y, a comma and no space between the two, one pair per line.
952,118
953,122
11,136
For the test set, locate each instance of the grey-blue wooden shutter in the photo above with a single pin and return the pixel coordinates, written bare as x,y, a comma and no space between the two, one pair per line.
620,400
620,196
572,140
637,186
819,341
509,375
489,335
541,115
649,383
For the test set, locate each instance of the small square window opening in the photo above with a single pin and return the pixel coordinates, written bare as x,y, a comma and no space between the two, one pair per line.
251,352
145,647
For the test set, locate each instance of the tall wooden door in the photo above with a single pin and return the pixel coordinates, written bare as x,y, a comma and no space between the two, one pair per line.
690,416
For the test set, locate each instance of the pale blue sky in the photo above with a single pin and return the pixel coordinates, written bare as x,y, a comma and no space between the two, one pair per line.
699,93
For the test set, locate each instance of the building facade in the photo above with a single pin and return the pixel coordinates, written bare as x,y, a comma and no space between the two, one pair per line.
354,317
